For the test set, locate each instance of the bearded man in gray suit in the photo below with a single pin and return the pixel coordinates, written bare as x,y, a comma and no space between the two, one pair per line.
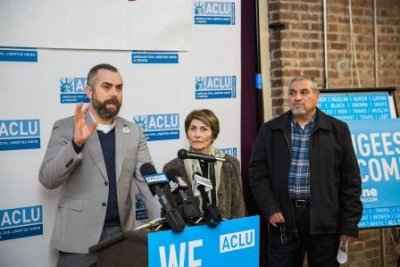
95,157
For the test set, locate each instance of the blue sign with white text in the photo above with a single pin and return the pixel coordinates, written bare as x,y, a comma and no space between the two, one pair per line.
377,146
72,90
357,106
214,13
19,134
21,222
159,126
211,87
233,243
19,55
156,57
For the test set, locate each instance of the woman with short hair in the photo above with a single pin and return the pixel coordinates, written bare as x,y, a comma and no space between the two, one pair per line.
202,129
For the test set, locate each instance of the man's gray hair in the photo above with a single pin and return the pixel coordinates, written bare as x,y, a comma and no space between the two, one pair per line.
301,78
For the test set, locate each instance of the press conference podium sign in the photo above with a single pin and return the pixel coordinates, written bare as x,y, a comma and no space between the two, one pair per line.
232,243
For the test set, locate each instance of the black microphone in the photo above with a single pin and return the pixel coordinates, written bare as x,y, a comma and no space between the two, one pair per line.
158,184
187,203
211,213
184,154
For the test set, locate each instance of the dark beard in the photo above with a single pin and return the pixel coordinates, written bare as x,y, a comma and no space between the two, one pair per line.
101,108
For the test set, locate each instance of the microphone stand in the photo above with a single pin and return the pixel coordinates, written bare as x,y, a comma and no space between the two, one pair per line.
211,171
211,213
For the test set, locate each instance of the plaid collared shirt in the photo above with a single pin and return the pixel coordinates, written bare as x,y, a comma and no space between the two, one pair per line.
299,172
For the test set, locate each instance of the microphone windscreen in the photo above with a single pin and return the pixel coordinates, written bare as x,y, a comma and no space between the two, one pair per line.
182,153
172,174
147,169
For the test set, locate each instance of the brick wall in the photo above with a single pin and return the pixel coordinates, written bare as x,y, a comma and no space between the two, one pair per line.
296,43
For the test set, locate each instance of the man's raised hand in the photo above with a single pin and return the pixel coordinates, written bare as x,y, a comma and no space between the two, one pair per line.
82,131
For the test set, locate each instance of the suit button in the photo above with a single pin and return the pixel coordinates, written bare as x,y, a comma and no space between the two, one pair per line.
104,204
106,183
69,163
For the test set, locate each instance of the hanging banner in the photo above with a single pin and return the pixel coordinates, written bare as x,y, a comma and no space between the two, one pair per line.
41,85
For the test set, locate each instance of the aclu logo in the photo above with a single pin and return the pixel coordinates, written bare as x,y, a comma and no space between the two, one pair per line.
21,222
369,195
211,87
159,126
19,134
231,151
236,241
214,13
72,90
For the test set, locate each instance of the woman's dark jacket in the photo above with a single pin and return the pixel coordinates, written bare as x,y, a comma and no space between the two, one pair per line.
230,192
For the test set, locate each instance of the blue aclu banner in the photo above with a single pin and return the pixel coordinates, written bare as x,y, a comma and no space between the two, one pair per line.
72,90
377,146
357,106
159,126
211,87
19,134
214,13
233,243
19,55
156,57
21,222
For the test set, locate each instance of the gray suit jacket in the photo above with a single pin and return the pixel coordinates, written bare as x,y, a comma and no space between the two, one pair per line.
81,211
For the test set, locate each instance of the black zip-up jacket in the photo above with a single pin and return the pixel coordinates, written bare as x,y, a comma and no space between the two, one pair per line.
335,180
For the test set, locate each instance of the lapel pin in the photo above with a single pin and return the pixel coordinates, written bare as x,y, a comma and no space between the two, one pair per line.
126,130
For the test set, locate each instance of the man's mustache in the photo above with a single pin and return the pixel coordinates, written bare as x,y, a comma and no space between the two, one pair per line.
112,101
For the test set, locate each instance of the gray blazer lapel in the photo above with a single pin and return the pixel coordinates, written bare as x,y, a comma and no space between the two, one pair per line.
123,137
95,152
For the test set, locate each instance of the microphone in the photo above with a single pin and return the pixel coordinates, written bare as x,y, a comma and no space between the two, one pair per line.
187,203
158,185
200,180
184,154
211,213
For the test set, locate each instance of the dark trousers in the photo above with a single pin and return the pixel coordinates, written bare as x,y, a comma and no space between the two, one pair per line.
287,249
85,260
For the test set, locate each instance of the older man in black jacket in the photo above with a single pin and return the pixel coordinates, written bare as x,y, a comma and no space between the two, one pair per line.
306,181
